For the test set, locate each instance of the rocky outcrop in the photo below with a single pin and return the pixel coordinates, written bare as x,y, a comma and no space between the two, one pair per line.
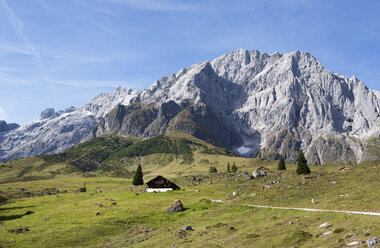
5,127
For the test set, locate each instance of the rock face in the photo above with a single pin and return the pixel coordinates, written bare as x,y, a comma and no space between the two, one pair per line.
260,105
254,103
5,127
54,131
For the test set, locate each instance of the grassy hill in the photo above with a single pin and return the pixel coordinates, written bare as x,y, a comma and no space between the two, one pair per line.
140,220
112,155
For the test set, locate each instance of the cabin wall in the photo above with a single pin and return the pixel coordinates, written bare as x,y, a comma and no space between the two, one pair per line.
152,190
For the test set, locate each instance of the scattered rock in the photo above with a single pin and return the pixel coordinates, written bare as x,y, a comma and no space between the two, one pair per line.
97,213
353,243
187,228
326,224
291,222
333,182
177,206
325,234
234,193
274,182
257,174
19,230
46,219
372,242
81,190
313,201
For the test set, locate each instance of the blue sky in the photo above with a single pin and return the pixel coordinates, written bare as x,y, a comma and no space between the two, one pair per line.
57,53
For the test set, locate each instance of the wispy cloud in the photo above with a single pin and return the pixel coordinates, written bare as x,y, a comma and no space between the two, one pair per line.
3,114
6,48
154,4
18,29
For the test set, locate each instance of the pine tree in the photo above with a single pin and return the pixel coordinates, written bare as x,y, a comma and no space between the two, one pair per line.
234,167
281,163
228,167
212,169
215,170
302,167
138,178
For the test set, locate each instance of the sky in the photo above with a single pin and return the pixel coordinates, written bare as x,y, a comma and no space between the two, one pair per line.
60,53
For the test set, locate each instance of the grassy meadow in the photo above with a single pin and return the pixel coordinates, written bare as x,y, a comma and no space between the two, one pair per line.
44,200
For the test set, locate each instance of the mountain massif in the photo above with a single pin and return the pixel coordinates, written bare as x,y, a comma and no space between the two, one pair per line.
254,103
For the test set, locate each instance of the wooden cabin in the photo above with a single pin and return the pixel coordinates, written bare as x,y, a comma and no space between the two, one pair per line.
161,184
262,169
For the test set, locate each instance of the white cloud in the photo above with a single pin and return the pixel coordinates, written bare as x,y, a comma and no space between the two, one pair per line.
3,114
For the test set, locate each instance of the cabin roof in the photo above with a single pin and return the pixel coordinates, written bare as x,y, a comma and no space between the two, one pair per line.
161,182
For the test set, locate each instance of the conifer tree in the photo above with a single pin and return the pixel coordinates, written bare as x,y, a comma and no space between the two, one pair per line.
281,163
302,167
138,178
228,167
234,167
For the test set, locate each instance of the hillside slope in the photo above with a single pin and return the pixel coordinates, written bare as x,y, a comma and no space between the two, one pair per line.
115,155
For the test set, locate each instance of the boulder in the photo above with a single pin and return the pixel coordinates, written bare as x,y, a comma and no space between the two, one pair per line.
177,206
257,174
187,228
372,242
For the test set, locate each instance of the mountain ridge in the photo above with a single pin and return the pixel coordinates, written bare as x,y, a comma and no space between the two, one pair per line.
257,103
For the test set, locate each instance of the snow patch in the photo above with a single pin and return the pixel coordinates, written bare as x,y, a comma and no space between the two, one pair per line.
243,150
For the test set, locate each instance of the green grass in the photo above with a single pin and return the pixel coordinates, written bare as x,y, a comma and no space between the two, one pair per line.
141,221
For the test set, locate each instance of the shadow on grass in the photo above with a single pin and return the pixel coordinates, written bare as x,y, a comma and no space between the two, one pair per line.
10,208
16,216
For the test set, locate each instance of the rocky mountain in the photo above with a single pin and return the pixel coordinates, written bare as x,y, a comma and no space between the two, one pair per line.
259,105
5,127
254,103
54,131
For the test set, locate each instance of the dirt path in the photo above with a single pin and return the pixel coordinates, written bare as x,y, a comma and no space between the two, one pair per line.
309,209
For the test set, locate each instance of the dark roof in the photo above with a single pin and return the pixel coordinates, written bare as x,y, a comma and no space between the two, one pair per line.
161,182
262,168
